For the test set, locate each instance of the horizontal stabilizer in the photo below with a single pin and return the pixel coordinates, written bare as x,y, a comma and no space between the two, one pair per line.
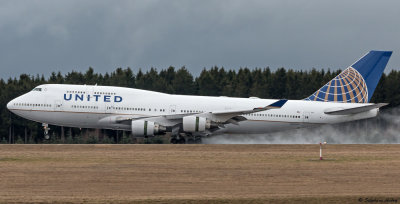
348,111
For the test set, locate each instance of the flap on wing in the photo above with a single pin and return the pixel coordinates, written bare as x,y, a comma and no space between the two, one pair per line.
162,120
169,117
178,116
223,116
275,105
348,111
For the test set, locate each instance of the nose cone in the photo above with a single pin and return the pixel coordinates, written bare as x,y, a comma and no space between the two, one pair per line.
10,105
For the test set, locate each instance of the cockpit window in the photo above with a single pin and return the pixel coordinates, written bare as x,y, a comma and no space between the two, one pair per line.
37,89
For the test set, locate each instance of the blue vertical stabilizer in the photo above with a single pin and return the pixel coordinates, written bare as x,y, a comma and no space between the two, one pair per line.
357,83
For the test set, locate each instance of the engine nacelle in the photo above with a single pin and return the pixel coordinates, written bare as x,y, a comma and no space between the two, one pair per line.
143,128
195,124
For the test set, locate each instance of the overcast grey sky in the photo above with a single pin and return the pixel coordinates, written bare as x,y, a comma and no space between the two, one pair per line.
39,37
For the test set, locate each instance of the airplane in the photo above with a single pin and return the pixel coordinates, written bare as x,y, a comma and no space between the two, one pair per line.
188,118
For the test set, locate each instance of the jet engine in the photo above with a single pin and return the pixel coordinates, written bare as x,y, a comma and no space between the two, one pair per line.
143,128
195,124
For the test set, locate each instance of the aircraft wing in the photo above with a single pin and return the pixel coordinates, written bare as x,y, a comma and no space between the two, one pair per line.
348,111
223,117
175,123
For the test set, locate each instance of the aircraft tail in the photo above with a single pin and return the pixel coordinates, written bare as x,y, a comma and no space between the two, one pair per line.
357,83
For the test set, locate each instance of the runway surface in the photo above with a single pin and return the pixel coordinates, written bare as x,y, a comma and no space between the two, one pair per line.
199,173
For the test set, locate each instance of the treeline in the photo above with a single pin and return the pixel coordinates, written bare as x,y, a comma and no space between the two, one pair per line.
263,83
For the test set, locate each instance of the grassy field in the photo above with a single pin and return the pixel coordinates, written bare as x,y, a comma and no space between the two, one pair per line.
199,173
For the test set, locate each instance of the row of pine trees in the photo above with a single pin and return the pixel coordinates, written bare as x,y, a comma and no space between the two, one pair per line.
262,83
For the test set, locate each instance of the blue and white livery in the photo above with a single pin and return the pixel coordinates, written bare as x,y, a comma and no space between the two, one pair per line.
147,113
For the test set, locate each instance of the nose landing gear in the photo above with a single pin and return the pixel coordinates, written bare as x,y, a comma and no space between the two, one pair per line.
46,131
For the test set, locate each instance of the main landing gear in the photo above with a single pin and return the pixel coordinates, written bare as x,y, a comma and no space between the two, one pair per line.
194,140
46,131
178,139
183,138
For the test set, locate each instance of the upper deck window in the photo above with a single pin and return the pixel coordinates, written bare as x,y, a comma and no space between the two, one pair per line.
37,89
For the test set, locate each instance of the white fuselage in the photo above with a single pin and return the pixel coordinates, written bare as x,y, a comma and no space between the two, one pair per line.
87,106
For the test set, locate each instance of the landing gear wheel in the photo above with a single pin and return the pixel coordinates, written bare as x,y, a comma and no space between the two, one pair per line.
197,140
190,140
178,140
174,141
181,140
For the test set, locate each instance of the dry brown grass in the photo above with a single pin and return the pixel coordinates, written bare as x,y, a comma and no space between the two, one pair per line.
198,173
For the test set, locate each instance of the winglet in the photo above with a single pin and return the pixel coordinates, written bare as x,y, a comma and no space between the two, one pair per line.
278,104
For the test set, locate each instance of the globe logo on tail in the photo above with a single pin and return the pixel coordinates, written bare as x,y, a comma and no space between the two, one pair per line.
348,87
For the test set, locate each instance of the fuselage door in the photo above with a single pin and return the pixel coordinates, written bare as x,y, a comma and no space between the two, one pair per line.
58,105
109,107
172,109
306,117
